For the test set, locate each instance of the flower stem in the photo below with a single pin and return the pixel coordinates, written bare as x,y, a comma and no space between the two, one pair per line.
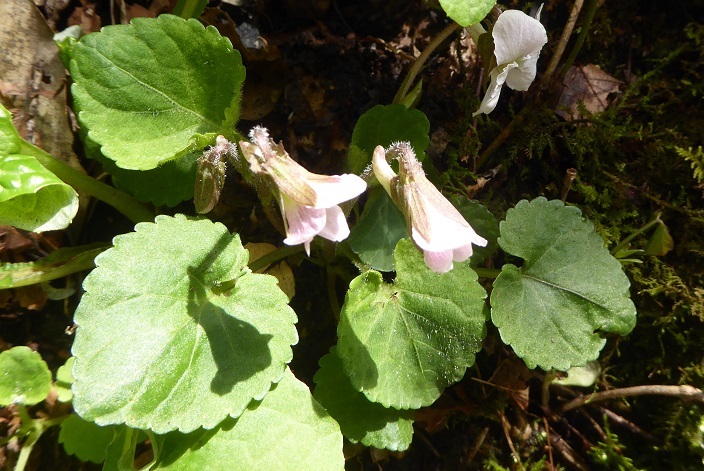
624,243
278,254
591,10
422,59
487,272
123,202
564,39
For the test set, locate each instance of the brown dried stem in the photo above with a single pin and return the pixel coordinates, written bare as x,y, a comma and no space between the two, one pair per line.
683,391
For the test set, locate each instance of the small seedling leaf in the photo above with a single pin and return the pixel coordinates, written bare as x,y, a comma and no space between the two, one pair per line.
24,377
467,12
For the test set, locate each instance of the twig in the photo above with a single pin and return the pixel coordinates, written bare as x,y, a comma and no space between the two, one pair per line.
547,432
568,453
425,440
655,199
618,420
505,133
591,10
570,175
564,39
477,445
683,391
516,456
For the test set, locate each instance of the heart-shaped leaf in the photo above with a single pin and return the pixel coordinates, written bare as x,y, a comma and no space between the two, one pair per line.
467,12
553,309
173,320
401,344
288,430
86,440
360,420
383,125
378,230
156,89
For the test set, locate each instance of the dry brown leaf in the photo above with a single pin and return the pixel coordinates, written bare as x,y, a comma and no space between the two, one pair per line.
589,85
281,271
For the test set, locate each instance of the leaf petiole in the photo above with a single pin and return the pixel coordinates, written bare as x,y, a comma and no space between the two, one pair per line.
123,202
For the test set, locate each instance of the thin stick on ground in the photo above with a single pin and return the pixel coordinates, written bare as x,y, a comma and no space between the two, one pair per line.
683,391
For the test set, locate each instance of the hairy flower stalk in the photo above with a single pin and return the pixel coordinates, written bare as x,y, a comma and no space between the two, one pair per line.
436,227
518,39
309,202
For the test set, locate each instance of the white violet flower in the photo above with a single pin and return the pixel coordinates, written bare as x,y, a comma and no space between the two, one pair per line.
518,39
308,201
435,225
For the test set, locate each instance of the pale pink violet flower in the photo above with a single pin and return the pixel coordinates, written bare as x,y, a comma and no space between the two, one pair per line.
309,202
518,39
435,225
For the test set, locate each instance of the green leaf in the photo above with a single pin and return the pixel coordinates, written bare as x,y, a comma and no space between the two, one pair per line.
401,344
169,184
383,125
156,89
64,380
173,319
660,242
66,40
360,420
59,263
287,430
467,12
24,377
9,138
483,222
119,455
86,440
569,290
33,198
378,230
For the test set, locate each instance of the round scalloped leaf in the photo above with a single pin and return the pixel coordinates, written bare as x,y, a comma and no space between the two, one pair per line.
175,332
64,380
86,440
360,420
569,290
383,125
156,89
467,12
401,344
32,198
24,377
378,230
288,430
